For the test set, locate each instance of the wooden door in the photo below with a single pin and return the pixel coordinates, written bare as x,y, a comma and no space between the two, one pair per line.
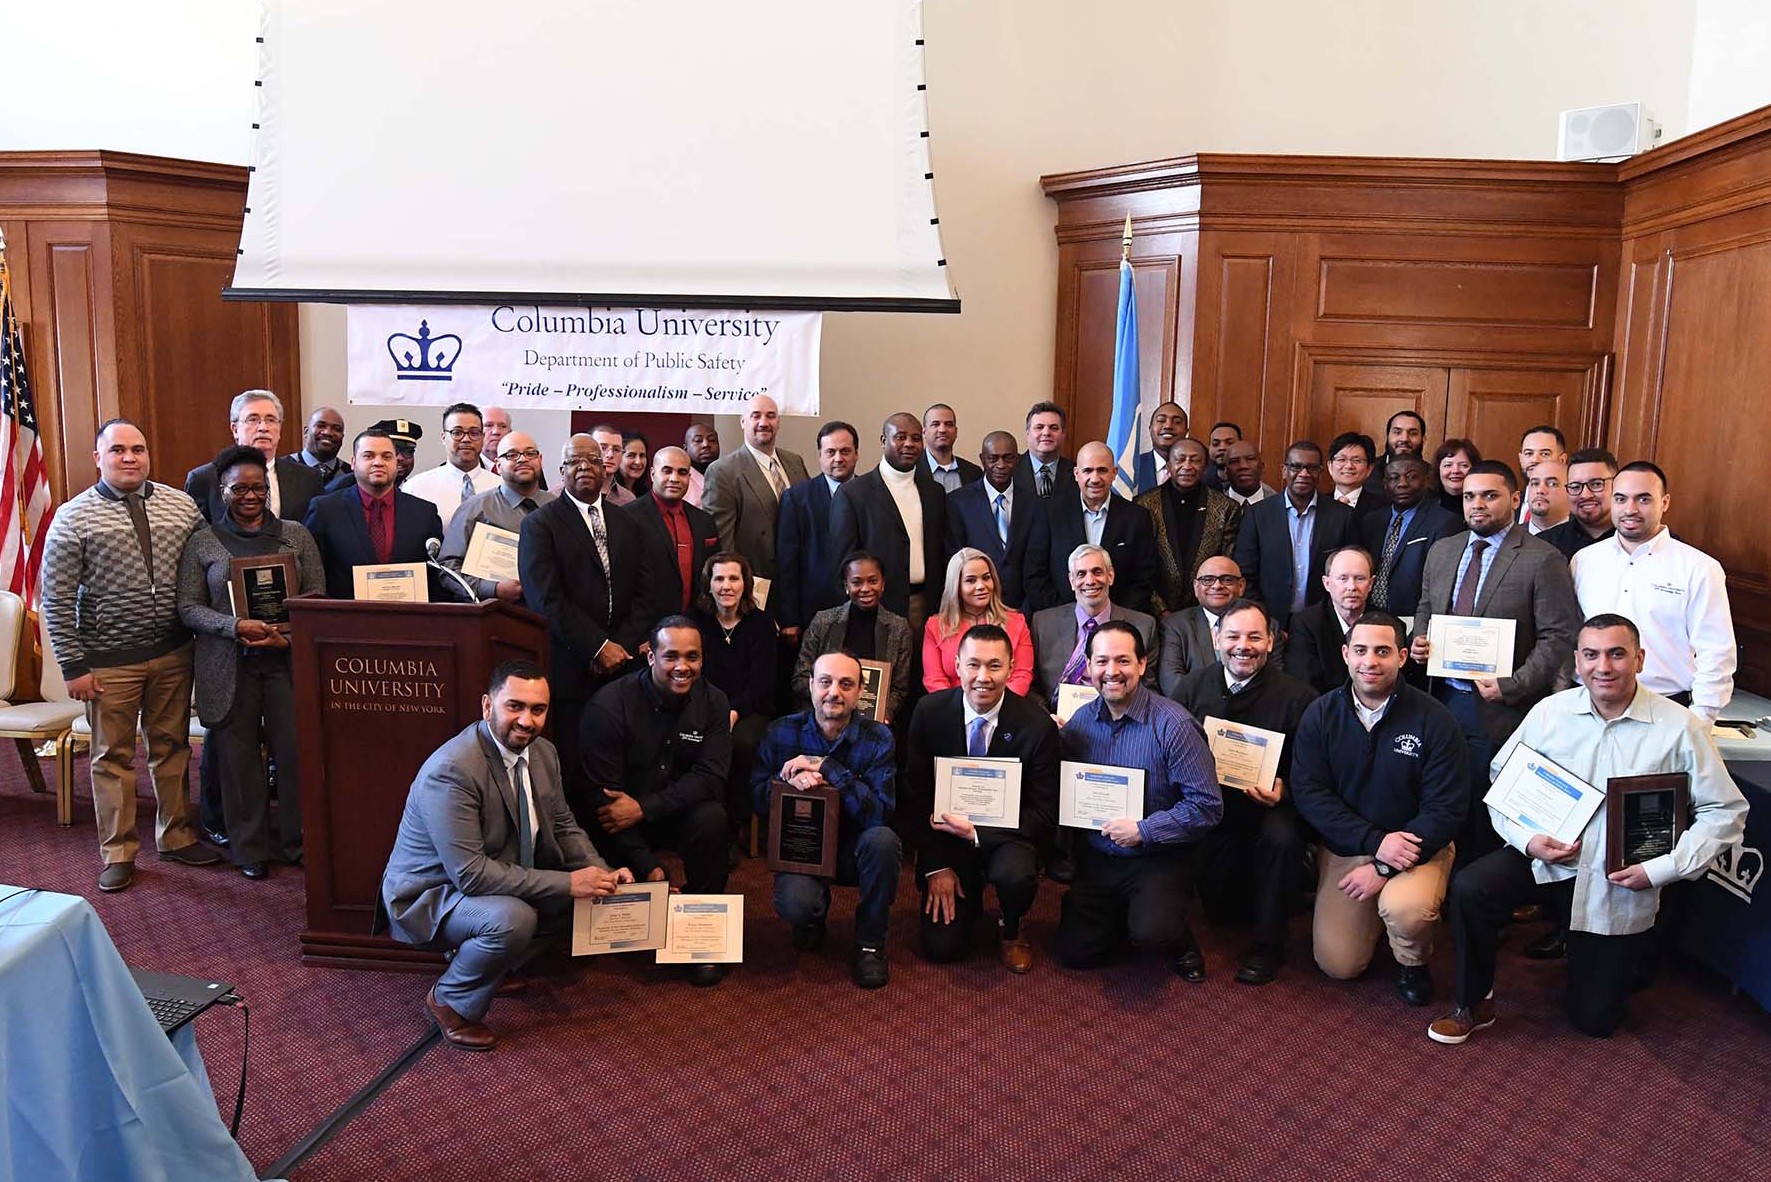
1361,396
1494,407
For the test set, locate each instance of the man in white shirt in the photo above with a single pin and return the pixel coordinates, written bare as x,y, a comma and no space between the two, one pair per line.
460,476
1546,496
1243,467
1610,726
898,513
1350,459
609,442
1676,595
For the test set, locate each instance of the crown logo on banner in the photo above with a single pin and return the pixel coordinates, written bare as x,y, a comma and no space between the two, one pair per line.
1737,871
424,358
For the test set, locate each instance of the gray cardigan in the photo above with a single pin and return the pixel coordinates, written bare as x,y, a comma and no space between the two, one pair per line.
203,573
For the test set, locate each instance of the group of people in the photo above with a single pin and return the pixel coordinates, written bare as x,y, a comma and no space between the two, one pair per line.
706,639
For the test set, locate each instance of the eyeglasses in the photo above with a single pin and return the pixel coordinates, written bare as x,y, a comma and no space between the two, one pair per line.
261,420
466,432
1310,468
1217,580
1592,486
248,490
527,453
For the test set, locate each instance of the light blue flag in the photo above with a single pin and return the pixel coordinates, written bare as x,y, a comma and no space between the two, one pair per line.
1123,436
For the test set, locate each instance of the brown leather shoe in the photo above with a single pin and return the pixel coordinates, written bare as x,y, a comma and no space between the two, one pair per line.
1017,955
511,986
469,1036
116,876
1456,1027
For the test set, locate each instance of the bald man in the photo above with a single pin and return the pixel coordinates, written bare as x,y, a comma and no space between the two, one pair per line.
321,441
681,537
899,513
987,515
743,490
1091,512
519,493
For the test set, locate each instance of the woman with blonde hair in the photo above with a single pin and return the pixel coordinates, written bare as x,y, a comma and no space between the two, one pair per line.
972,595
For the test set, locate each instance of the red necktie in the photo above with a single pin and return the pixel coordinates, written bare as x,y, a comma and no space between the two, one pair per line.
381,529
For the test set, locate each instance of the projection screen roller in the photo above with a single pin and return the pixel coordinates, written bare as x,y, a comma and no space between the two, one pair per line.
711,152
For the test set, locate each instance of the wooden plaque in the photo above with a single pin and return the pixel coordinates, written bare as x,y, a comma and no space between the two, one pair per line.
802,829
260,587
876,689
1644,817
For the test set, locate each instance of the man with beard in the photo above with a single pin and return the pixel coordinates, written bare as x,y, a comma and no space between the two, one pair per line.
1546,496
940,428
1222,436
1590,473
321,441
517,495
1405,434
1191,523
1251,867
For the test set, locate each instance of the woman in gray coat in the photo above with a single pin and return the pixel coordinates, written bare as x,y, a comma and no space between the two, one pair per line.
243,685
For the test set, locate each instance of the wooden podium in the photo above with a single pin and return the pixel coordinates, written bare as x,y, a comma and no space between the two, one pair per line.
378,687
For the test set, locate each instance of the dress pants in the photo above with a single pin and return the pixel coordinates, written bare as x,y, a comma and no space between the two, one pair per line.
1143,897
563,727
1345,931
156,696
747,736
1012,867
869,861
264,705
210,808
1483,896
1477,837
1251,868
490,934
699,834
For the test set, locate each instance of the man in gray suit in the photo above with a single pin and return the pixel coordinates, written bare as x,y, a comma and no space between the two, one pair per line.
486,850
1061,633
1187,639
743,490
1497,570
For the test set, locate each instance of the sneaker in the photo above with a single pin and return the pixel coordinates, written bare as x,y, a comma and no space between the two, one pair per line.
195,854
870,968
1456,1028
116,876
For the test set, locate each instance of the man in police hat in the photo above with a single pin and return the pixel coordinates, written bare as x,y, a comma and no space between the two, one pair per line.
405,434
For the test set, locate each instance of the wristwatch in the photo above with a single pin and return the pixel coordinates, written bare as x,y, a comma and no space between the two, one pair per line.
1384,869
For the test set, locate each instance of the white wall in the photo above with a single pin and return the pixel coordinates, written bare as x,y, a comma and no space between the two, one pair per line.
1017,88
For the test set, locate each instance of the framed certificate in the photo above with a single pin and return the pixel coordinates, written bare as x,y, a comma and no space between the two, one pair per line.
1247,756
1469,647
1091,794
391,582
1541,794
876,689
1072,698
1644,817
491,553
802,829
986,792
630,920
260,585
703,929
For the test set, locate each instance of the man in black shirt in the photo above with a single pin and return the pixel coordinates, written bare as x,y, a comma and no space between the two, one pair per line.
1590,473
657,748
1254,860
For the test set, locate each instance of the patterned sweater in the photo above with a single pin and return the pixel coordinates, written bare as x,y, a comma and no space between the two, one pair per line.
102,606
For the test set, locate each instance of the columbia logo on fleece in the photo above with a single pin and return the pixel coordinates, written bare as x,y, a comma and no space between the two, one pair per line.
1408,745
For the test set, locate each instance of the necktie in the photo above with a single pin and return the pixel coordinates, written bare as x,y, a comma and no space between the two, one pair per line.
1237,687
1465,603
776,481
1079,659
138,516
527,505
381,530
975,745
1045,480
1002,518
1380,590
525,820
601,537
467,489
273,501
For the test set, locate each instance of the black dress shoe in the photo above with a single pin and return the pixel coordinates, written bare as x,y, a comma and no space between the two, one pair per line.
1258,969
1060,867
1414,984
1553,946
1189,966
256,869
214,837
703,976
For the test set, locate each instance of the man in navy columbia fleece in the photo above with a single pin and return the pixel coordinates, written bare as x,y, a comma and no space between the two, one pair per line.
1379,770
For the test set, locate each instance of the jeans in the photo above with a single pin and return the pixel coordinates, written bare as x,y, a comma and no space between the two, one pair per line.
869,862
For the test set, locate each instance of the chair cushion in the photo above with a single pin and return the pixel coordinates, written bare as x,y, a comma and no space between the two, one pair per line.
48,717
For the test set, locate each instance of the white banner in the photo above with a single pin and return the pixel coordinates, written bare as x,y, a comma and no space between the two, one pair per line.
617,359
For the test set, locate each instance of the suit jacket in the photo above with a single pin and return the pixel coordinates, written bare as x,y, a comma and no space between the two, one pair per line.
968,471
1024,731
891,642
1528,582
342,533
744,506
1430,523
971,521
1263,550
1172,589
1062,480
863,516
1187,644
1313,648
1127,537
808,580
1054,640
704,544
563,580
297,486
458,836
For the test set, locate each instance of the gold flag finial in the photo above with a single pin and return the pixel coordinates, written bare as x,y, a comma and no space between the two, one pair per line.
1125,242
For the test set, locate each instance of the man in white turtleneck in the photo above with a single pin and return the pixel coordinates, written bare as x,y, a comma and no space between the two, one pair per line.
898,512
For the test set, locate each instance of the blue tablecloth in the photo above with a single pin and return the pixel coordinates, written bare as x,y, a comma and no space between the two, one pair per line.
94,1089
1727,924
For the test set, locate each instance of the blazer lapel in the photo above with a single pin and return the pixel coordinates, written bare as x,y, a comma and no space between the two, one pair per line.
1497,570
753,476
495,763
357,523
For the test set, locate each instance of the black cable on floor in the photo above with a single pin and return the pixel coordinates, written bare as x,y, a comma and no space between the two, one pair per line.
353,1107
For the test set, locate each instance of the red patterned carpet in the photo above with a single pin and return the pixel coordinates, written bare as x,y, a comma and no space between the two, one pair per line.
788,1072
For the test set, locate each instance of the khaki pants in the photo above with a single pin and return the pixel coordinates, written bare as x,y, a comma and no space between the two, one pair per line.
1345,931
157,695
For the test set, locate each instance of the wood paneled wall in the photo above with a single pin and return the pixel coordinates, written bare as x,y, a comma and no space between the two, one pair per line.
119,262
1630,304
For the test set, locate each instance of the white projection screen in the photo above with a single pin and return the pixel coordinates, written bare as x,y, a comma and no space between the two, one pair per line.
733,153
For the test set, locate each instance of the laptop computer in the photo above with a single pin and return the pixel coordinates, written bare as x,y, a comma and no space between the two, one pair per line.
176,1000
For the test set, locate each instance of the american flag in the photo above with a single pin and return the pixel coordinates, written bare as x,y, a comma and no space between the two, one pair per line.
25,508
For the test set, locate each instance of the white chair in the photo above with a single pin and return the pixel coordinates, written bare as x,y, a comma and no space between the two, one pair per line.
49,720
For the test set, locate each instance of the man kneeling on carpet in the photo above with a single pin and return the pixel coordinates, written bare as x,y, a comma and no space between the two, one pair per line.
487,851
